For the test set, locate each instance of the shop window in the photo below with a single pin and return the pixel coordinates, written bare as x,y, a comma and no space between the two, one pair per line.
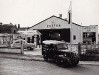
74,37
89,37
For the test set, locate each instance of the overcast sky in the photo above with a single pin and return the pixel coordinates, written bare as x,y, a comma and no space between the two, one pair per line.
30,12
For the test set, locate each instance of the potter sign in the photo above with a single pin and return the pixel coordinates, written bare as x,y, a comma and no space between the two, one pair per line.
53,25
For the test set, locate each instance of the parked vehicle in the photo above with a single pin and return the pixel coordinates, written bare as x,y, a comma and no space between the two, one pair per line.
18,44
58,51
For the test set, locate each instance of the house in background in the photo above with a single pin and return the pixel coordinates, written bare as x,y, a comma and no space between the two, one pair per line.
7,33
22,28
31,36
8,28
23,33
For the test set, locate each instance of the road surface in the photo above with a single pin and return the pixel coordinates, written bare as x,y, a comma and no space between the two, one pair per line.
25,67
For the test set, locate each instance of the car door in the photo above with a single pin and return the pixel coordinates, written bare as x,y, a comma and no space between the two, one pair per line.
52,50
17,44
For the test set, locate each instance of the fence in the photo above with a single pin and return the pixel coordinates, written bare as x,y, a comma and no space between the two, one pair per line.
5,46
88,51
5,43
5,40
7,49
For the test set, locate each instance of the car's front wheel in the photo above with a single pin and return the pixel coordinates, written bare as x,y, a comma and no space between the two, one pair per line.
76,62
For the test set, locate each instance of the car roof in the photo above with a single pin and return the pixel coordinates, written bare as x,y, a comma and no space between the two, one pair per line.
52,42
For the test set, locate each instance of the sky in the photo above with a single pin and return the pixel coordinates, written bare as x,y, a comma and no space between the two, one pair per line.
30,12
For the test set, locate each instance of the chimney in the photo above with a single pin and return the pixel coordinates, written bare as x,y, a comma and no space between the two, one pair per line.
70,14
60,15
18,25
11,23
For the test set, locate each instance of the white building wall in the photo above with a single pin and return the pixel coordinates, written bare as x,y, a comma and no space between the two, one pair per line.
76,31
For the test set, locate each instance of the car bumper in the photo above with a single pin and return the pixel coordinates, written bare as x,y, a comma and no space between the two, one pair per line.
67,61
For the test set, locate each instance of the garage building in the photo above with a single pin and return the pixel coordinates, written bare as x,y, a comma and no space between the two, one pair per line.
56,28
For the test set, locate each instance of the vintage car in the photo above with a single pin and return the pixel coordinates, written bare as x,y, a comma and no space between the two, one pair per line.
17,44
58,50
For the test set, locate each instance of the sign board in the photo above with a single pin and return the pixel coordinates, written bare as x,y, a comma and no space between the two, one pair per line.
91,28
53,25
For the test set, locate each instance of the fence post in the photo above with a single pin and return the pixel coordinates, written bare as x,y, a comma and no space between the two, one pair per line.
22,49
35,40
79,49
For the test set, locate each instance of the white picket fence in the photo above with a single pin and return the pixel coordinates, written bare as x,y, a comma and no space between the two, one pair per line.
9,50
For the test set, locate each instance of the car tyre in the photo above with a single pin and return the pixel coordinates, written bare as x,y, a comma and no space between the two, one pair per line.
58,61
76,62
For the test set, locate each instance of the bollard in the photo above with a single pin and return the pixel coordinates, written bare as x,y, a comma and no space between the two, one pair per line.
35,40
22,49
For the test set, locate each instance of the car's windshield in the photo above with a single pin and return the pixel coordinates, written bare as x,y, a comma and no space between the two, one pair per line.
62,46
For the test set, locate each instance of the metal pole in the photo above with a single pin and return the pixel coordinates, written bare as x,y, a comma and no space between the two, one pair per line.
35,40
70,23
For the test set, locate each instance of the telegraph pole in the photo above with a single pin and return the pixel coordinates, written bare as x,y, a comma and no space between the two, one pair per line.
70,22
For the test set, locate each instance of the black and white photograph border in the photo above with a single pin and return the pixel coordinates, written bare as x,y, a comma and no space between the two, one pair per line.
49,37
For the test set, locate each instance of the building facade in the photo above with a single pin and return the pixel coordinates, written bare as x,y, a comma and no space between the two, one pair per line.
90,34
56,28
